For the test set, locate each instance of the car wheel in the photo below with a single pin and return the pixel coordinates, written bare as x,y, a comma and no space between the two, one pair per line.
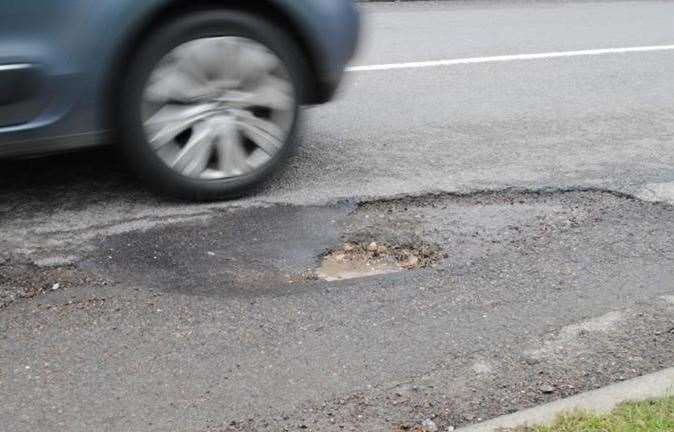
209,104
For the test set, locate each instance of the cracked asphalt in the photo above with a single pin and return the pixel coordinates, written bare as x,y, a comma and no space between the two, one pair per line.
544,186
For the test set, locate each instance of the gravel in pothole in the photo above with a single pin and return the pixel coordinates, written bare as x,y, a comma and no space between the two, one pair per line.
20,279
361,259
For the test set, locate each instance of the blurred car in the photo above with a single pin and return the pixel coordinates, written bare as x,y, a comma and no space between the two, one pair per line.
200,96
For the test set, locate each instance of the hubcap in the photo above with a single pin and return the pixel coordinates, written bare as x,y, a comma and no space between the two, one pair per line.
218,107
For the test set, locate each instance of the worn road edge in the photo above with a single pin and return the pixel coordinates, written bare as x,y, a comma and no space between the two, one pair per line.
655,385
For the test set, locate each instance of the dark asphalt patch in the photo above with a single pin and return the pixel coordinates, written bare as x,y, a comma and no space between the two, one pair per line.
243,252
260,251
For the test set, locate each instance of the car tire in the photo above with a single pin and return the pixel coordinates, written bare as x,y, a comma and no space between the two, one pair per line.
205,26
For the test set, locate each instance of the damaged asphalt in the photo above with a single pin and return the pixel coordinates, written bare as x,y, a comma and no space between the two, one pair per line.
212,325
542,192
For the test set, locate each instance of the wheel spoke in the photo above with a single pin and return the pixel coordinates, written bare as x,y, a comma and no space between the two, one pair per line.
254,62
210,57
265,134
172,120
174,84
232,158
272,92
193,159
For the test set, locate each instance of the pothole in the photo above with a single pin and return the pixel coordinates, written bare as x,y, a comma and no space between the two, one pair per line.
361,259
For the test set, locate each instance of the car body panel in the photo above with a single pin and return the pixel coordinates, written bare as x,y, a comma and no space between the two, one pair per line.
75,45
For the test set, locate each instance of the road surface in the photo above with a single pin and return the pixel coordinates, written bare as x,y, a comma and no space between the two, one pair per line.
536,191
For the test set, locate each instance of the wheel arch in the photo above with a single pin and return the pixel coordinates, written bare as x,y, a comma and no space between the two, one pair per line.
271,10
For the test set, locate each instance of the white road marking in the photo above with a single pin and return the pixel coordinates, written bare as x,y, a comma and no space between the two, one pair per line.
514,57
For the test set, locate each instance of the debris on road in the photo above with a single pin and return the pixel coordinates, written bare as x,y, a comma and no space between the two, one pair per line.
429,425
22,279
360,259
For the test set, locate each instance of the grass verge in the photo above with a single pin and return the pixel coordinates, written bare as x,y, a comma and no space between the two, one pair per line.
645,416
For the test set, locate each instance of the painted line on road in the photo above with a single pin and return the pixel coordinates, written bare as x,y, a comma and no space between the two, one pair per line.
514,57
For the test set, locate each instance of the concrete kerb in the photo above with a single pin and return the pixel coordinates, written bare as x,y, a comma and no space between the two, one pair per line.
651,386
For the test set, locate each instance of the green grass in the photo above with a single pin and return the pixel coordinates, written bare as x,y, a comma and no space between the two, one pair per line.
646,416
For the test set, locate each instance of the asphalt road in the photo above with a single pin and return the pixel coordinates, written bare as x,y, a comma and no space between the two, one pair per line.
591,121
171,316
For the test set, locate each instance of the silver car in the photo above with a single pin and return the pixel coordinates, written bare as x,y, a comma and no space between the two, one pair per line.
201,97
